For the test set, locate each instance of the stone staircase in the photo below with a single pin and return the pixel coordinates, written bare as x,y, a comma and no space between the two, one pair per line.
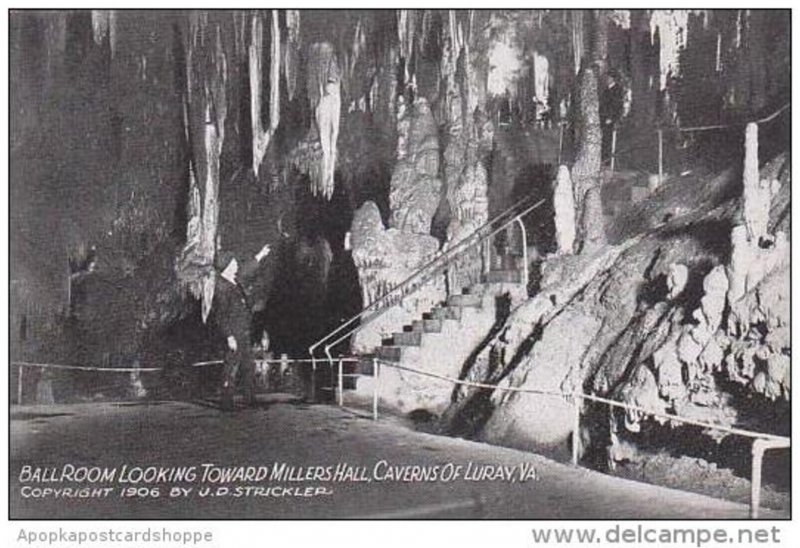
440,341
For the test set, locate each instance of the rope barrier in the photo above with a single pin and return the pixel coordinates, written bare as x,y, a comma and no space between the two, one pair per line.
726,126
730,430
86,367
471,383
153,369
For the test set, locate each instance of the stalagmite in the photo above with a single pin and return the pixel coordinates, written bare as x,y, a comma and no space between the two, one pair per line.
384,258
715,286
564,207
414,188
756,193
469,206
676,279
586,169
261,138
593,223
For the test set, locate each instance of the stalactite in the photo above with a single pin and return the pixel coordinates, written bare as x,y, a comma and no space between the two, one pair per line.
351,87
673,31
240,32
577,39
324,94
104,25
739,25
205,111
541,77
262,138
55,24
291,51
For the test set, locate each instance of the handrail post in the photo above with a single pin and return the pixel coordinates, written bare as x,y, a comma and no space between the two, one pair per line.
19,384
613,146
341,384
576,432
525,265
755,478
759,446
376,376
313,370
313,396
487,256
660,157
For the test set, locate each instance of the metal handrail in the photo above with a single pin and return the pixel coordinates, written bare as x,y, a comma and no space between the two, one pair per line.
424,273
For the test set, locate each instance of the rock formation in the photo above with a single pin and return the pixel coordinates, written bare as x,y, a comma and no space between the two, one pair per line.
646,325
415,186
385,257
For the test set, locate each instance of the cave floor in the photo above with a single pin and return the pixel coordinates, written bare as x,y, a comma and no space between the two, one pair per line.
279,430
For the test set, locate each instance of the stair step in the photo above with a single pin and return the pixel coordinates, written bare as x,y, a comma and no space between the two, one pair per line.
407,338
446,313
503,276
427,326
474,301
366,366
508,262
390,353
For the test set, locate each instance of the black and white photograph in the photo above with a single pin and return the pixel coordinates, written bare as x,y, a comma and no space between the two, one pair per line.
429,263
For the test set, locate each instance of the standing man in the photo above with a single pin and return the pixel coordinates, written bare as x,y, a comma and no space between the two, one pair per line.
612,109
232,315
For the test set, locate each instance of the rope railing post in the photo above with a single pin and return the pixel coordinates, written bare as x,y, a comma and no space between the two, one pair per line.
376,374
576,427
341,385
21,368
